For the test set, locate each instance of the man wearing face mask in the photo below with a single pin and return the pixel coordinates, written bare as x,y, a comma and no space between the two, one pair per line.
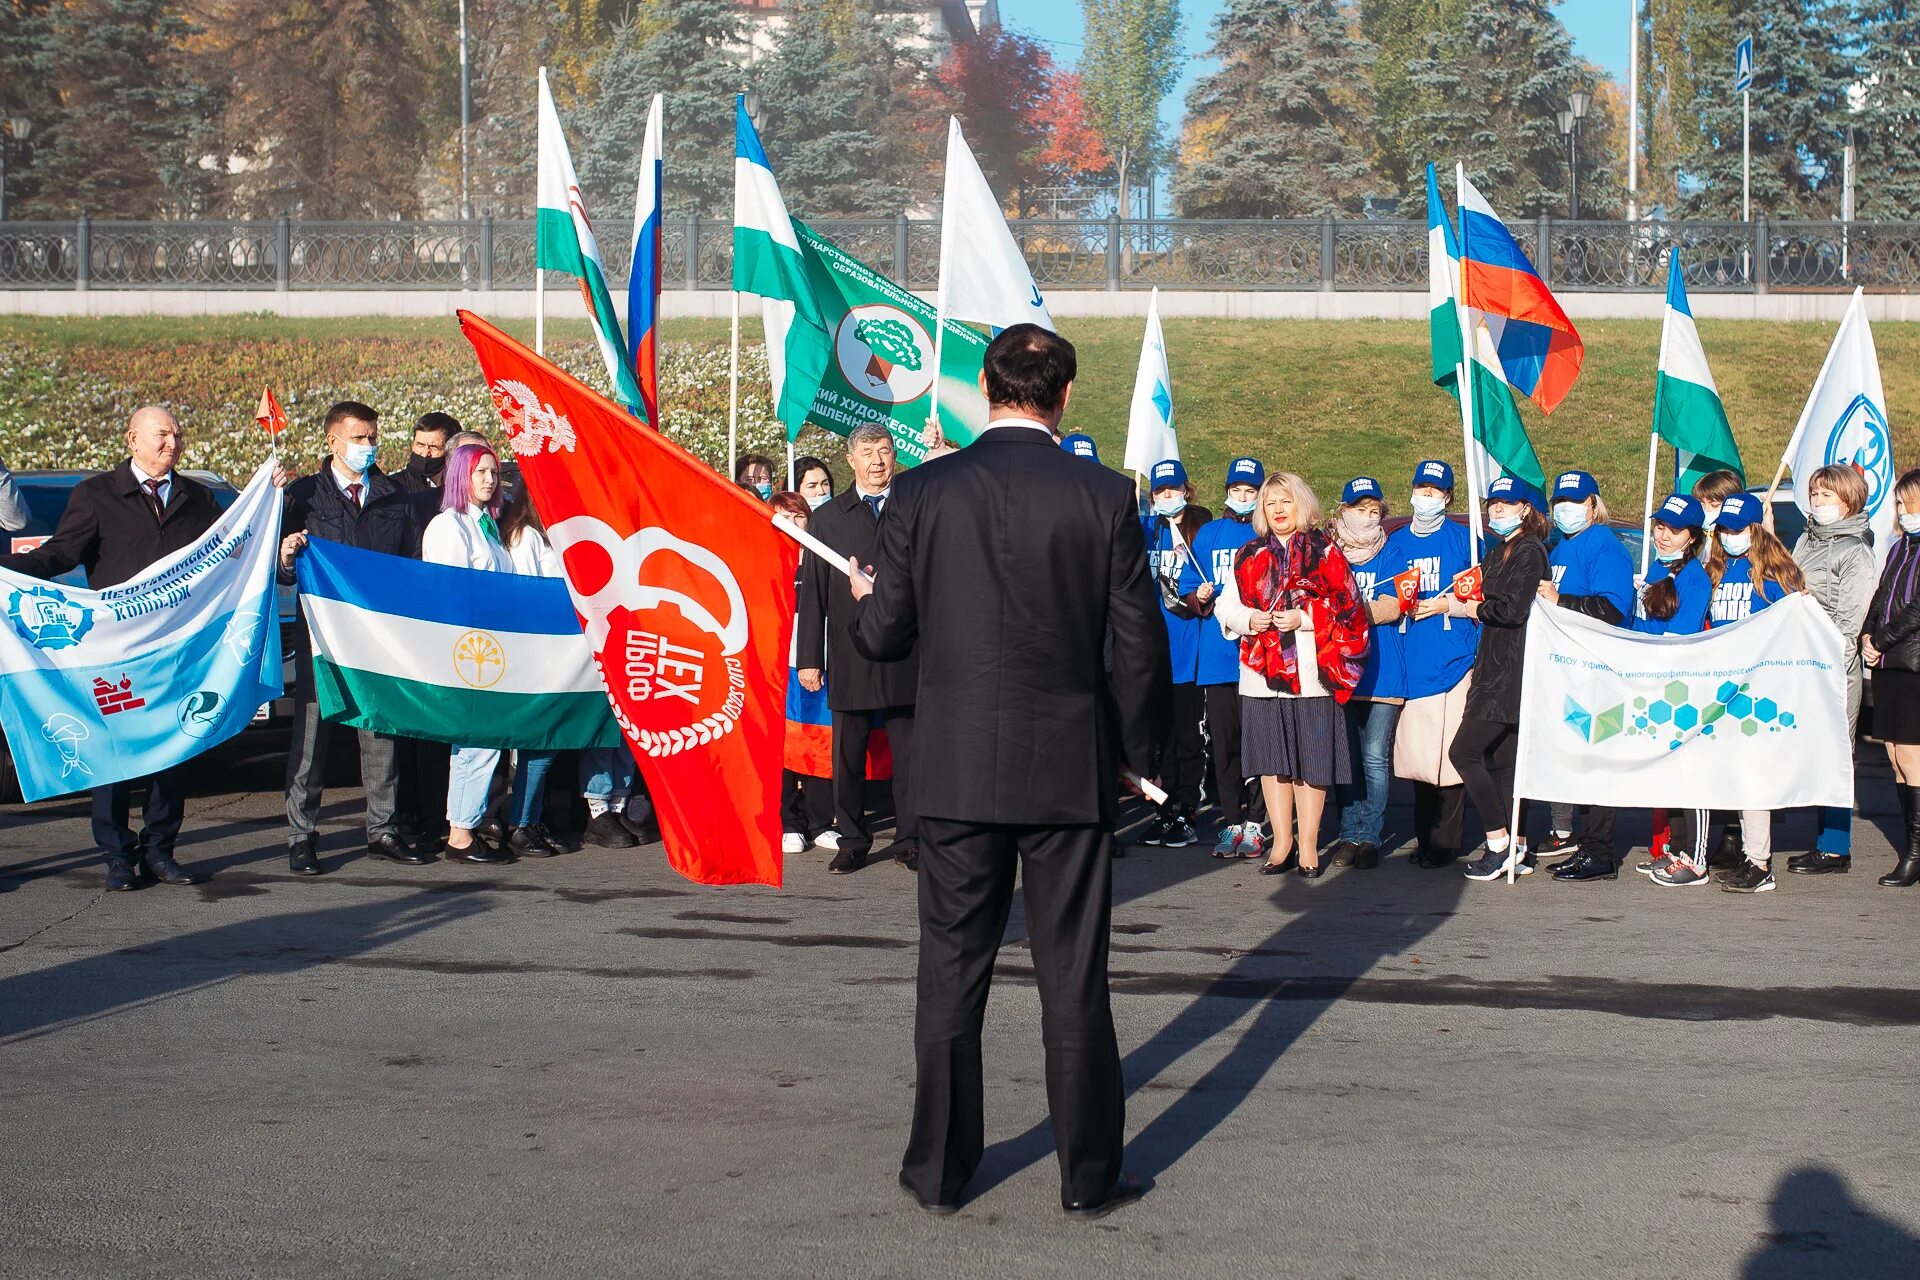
1243,809
349,501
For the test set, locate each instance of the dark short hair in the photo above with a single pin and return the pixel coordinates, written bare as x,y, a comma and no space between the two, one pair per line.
1028,367
749,461
346,409
807,462
437,423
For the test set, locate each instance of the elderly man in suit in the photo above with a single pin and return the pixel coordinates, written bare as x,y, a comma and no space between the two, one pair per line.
115,525
1004,566
861,692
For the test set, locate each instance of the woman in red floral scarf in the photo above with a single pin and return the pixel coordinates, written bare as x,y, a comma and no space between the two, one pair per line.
1292,603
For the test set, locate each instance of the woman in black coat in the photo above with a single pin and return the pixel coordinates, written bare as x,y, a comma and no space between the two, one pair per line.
1891,647
1483,751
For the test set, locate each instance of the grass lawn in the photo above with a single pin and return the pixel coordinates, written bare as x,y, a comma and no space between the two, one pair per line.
1328,399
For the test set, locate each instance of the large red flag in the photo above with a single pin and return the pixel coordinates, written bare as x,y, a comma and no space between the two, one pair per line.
685,591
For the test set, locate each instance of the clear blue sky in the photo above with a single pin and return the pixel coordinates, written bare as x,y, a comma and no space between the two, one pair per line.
1599,29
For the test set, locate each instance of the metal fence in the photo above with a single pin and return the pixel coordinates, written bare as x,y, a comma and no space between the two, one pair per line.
1306,254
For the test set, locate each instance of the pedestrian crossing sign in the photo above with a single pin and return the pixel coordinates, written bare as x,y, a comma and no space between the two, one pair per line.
1743,65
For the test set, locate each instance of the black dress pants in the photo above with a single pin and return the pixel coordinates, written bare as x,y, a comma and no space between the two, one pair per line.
1183,756
1438,815
806,803
1239,796
966,888
851,730
1483,754
166,806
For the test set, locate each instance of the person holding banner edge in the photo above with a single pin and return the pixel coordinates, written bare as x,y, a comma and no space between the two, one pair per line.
1892,648
1185,590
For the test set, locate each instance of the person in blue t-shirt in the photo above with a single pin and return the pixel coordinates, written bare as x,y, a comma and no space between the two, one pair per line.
1437,655
1674,603
1592,574
1172,523
1374,708
1749,570
1242,808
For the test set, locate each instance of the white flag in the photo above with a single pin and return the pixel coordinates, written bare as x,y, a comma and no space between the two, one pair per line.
1845,422
1150,437
983,275
1750,715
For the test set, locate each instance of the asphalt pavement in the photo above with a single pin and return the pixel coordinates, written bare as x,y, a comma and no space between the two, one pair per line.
588,1066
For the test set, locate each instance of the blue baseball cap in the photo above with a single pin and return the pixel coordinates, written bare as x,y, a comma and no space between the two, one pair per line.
1246,471
1359,489
1514,489
1681,511
1081,446
1574,486
1433,472
1741,511
1167,475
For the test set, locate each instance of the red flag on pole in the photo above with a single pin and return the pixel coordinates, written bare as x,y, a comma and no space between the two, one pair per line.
685,590
1406,585
271,417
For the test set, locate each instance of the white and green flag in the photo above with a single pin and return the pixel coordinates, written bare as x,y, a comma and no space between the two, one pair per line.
1687,412
564,241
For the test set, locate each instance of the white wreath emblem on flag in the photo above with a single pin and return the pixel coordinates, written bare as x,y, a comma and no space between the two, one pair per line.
532,427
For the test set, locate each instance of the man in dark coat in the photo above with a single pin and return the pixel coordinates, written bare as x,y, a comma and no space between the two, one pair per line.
1005,566
350,501
861,692
115,525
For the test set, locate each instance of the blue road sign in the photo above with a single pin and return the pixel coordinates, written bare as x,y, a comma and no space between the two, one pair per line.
1743,65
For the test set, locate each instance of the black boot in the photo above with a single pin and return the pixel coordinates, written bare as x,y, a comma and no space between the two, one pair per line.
1730,852
1906,872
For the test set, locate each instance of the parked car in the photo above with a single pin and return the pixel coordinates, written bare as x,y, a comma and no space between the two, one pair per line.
47,494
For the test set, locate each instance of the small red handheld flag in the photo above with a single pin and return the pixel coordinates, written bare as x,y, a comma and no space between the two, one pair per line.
1407,586
1466,584
271,417
685,592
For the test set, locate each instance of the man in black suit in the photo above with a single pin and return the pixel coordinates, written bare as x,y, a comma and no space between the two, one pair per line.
1005,565
115,525
860,691
349,501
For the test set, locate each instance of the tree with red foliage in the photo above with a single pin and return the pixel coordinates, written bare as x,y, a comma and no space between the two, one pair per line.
999,85
1073,151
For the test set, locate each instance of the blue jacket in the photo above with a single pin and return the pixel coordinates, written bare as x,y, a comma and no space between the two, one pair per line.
1593,572
1735,597
1696,593
1385,675
1437,653
1214,545
1183,634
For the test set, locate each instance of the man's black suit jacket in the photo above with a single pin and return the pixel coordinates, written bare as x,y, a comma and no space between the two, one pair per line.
824,619
110,528
1003,566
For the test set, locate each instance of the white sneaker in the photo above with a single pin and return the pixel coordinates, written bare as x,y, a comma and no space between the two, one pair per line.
828,840
793,842
1228,845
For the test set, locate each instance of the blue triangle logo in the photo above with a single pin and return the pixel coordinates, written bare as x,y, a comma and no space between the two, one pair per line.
1163,401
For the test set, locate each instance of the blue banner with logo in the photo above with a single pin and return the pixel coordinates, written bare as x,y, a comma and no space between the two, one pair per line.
98,687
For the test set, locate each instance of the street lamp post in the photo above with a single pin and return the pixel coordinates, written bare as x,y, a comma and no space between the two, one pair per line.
466,105
13,129
1569,121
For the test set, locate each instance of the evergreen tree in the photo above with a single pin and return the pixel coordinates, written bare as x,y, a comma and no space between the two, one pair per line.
133,136
844,127
1283,127
1887,135
687,49
1688,52
1401,32
1803,69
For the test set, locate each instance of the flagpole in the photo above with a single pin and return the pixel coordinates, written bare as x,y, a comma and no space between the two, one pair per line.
733,392
1513,841
790,484
1646,524
1465,375
539,276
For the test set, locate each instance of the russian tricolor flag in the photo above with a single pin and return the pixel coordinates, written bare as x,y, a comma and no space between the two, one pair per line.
1540,352
643,280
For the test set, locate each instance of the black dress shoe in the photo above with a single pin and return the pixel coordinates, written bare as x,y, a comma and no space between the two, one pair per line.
1905,873
1341,855
531,842
934,1207
1313,872
1126,1189
479,852
846,862
164,869
606,831
422,843
121,876
1587,867
1433,858
909,858
1280,868
1366,857
301,860
1821,864
394,849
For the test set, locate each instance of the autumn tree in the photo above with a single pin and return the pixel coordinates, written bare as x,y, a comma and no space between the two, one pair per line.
1130,63
999,84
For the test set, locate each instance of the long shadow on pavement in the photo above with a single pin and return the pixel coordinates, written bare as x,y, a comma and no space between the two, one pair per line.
34,1003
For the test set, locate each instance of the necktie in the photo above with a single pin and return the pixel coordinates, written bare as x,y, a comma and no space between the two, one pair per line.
488,527
873,501
353,493
153,494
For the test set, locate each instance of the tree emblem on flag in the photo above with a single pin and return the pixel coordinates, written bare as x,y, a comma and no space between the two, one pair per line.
884,353
532,427
479,660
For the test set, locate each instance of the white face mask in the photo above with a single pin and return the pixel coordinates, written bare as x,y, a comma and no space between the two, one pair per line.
1427,506
1736,544
1827,512
1667,557
1503,525
1171,505
1910,523
1571,517
1241,506
1713,517
818,501
1361,524
359,456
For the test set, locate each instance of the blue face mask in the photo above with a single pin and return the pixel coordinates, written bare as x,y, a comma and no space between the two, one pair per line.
359,456
1171,505
1571,517
819,501
1668,557
764,489
1504,525
1240,506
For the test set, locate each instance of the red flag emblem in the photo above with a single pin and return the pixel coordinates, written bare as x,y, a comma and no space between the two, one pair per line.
1407,586
271,417
1467,584
685,591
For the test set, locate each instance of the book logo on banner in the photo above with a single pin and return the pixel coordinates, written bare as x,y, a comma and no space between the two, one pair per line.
1860,440
532,427
884,353
667,646
46,619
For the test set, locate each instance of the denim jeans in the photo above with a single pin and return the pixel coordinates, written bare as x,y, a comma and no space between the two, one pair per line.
469,777
529,798
1363,802
606,773
1836,830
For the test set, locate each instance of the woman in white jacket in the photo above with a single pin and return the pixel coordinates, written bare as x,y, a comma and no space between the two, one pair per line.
466,534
